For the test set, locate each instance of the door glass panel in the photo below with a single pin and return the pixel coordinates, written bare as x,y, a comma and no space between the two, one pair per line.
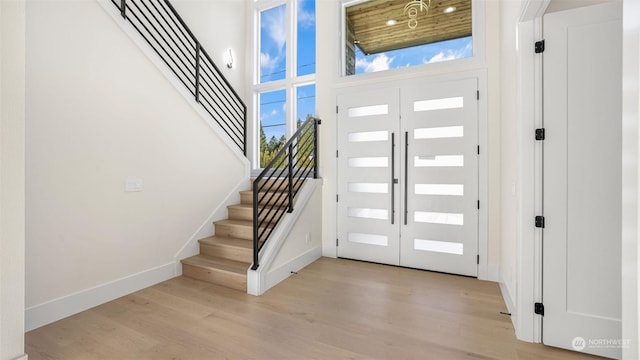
438,246
369,162
438,104
366,136
439,189
370,239
438,160
381,214
380,188
438,218
438,132
368,110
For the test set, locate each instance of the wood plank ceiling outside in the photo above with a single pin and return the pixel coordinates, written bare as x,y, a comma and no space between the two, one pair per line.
373,35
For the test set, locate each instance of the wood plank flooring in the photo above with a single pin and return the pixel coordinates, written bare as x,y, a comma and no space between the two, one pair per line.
332,309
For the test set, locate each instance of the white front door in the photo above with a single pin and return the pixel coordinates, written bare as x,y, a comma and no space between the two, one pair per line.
582,180
368,202
408,175
439,227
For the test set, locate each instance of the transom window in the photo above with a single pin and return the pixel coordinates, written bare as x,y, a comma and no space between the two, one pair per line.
391,34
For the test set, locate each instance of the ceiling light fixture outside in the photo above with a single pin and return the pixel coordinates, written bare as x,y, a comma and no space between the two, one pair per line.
391,22
449,10
412,8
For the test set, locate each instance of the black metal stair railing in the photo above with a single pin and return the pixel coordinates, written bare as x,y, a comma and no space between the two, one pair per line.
164,30
274,190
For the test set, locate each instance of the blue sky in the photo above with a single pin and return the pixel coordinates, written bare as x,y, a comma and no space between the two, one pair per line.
273,62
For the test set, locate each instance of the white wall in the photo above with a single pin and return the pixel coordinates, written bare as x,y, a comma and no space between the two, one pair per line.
98,111
219,25
328,24
509,15
12,175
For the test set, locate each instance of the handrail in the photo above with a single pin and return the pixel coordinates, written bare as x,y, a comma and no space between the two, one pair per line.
274,190
165,31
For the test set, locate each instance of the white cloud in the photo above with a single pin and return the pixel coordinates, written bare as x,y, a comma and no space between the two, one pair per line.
305,18
451,54
274,112
267,62
379,63
274,21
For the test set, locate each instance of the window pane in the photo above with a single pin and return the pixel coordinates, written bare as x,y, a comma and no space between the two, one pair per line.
305,102
306,23
273,41
387,37
272,124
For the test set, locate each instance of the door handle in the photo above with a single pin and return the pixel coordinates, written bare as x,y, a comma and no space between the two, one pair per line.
393,177
406,174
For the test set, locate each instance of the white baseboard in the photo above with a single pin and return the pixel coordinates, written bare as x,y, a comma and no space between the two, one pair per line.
508,300
22,357
65,306
275,276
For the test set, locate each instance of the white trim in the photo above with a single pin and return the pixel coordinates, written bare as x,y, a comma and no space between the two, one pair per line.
630,177
192,247
22,357
275,276
54,310
111,9
528,326
508,300
262,279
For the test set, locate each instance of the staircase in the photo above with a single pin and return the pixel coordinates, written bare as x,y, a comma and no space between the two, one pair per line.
226,256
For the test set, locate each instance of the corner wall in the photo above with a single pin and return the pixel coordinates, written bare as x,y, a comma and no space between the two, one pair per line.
98,111
12,176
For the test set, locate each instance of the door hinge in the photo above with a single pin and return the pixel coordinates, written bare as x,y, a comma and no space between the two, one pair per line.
336,153
336,109
336,242
478,204
478,259
336,197
540,221
539,47
477,94
478,149
540,135
538,308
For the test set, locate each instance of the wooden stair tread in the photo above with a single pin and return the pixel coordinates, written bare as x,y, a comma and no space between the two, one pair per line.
241,206
215,263
233,222
227,241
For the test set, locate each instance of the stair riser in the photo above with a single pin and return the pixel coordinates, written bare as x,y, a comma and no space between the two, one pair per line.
227,252
240,232
233,281
247,198
246,214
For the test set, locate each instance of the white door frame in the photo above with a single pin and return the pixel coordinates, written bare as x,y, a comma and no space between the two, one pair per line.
529,251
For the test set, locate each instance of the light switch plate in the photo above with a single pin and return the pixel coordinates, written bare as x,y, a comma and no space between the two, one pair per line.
133,184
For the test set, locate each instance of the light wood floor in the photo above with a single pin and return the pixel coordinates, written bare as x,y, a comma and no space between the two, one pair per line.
333,309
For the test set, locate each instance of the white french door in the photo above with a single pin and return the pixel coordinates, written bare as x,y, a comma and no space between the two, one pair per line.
408,175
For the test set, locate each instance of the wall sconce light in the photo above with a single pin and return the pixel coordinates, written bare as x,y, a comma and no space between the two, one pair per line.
228,58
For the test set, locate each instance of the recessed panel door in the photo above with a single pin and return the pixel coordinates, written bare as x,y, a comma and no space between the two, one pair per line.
582,180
